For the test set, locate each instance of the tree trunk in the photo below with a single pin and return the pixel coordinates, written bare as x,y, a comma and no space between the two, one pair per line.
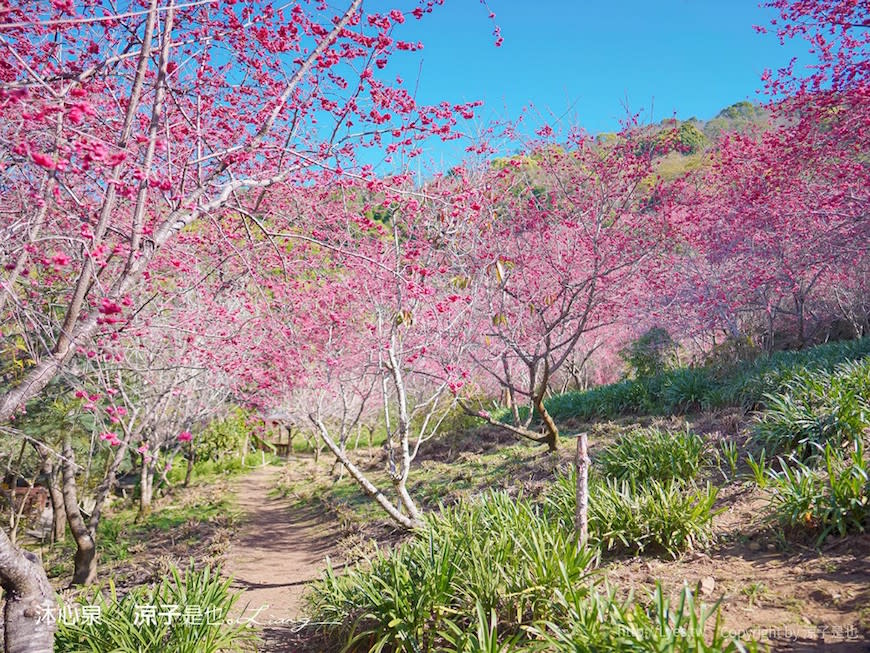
188,475
799,305
85,570
581,517
551,438
367,486
146,488
106,486
58,511
30,610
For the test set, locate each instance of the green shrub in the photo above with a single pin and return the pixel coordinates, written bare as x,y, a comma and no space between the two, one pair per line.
633,518
687,389
484,638
497,556
199,602
835,499
658,516
223,437
651,354
600,622
652,454
816,408
759,468
748,384
503,574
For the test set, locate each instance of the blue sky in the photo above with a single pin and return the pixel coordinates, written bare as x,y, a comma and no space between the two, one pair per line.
584,60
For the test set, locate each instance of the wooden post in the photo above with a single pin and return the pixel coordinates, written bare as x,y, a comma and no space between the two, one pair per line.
581,516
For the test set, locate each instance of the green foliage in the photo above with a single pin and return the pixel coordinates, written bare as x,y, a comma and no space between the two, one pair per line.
483,639
749,384
689,388
648,454
121,628
835,499
662,516
223,437
738,117
598,621
759,468
816,408
728,451
485,575
650,354
498,558
692,139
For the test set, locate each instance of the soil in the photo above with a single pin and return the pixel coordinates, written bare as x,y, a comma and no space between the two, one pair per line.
278,548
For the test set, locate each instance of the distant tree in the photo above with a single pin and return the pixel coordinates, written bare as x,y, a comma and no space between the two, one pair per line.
650,354
691,139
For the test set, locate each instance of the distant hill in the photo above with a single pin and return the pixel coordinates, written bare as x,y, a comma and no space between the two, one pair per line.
697,135
737,117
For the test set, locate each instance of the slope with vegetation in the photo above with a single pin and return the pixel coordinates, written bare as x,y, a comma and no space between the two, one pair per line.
498,567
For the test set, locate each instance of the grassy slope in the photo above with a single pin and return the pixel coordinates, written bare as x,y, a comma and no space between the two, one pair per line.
772,582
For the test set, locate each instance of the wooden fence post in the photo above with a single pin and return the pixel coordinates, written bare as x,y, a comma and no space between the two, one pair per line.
581,516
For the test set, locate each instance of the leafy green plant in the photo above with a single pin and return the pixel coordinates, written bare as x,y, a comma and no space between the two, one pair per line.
483,639
687,389
728,451
759,468
601,622
497,556
659,516
747,384
754,591
815,408
223,437
651,354
184,613
653,454
835,499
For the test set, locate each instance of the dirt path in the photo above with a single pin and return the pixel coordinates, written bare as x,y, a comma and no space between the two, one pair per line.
275,552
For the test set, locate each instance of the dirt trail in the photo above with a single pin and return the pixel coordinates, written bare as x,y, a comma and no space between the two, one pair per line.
276,551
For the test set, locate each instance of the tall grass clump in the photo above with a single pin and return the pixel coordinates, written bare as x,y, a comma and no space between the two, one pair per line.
599,621
832,500
688,389
497,557
653,454
657,516
502,574
751,382
816,408
184,613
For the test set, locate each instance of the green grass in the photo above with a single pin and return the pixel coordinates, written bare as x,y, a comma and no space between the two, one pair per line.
431,483
499,573
208,471
599,621
747,384
831,500
645,454
814,408
199,600
119,531
655,516
494,554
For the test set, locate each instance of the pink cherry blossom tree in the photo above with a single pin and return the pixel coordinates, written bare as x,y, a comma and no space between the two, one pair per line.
566,235
123,133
